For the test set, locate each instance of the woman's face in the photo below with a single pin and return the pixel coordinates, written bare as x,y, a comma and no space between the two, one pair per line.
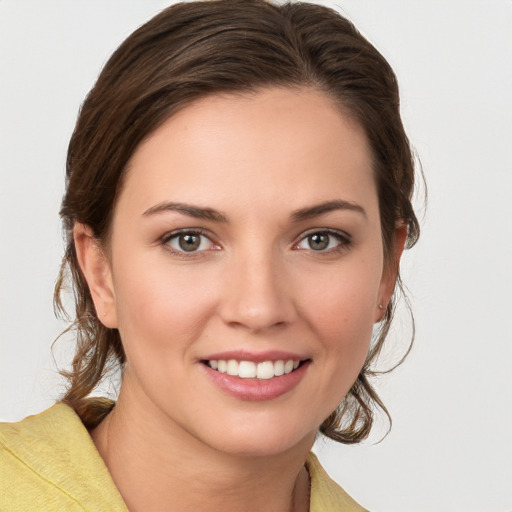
246,240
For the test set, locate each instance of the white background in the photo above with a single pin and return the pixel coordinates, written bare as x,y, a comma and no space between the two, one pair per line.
450,448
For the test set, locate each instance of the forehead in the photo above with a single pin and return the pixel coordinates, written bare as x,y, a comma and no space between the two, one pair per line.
290,146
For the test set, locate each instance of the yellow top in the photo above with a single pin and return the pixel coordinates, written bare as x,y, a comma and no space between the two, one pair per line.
49,462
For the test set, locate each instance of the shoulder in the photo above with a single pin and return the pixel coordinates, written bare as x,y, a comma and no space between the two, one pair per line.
326,494
49,462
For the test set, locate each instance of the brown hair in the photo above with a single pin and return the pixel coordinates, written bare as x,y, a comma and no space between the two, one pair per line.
186,52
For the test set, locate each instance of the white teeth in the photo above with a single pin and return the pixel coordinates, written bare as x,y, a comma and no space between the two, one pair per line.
249,370
265,370
232,367
222,365
279,368
289,366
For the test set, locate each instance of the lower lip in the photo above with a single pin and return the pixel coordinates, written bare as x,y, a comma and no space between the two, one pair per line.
256,389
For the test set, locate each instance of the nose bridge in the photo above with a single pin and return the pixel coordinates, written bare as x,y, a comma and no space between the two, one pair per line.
256,295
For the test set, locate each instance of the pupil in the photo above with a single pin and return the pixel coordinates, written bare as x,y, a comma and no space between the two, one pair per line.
319,241
189,242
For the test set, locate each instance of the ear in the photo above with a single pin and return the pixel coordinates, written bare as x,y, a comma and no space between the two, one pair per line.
96,269
390,272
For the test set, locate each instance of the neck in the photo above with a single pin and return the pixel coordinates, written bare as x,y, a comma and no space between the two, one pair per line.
157,465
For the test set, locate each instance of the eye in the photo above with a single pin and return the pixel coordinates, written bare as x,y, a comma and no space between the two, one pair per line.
324,241
188,242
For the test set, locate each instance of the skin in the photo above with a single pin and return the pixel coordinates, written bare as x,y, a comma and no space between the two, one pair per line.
175,441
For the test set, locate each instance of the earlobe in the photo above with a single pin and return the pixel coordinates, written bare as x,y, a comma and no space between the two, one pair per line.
96,269
390,272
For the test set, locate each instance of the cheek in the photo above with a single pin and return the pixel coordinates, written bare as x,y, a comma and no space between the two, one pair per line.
345,327
160,307
341,303
339,307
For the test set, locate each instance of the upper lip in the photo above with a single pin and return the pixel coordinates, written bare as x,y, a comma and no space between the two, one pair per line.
255,357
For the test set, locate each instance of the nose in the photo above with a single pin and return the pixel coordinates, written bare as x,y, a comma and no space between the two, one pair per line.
257,293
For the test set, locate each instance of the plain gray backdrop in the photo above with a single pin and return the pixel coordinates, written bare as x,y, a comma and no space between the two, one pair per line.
450,448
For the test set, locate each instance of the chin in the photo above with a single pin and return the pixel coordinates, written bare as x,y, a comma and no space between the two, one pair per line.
253,438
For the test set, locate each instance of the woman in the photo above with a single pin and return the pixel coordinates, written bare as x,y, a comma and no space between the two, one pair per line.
237,202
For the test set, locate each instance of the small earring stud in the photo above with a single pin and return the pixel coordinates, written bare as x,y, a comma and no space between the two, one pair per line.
381,306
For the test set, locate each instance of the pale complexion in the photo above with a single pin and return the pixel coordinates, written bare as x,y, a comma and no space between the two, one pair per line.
273,195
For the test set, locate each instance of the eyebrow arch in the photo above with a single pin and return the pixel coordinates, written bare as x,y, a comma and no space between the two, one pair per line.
187,209
329,206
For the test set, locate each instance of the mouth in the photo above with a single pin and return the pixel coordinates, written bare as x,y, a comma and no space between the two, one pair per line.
264,370
256,376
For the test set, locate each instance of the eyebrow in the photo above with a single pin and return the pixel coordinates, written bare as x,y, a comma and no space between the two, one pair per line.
187,209
328,206
214,215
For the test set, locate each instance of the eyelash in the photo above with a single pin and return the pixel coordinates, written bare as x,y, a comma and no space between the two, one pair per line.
166,239
344,241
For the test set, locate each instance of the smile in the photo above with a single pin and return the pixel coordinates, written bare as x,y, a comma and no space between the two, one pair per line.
263,370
